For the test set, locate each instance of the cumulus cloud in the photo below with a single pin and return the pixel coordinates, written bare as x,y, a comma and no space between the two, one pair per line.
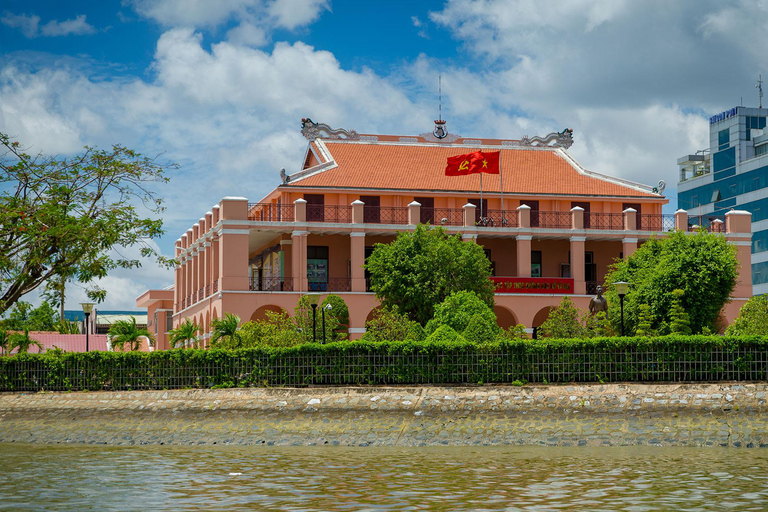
30,26
254,19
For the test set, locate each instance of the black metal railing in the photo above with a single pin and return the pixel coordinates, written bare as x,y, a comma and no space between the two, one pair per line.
448,216
603,220
553,220
393,215
270,212
498,218
707,222
335,213
332,284
658,223
271,284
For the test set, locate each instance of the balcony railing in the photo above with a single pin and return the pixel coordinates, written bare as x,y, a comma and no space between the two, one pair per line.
333,284
271,284
447,217
603,220
269,212
215,286
498,218
696,222
655,222
552,220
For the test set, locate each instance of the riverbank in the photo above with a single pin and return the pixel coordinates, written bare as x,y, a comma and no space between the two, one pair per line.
571,415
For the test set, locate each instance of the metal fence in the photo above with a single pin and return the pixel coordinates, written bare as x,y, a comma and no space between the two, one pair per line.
552,220
448,216
498,219
201,369
268,212
603,220
271,284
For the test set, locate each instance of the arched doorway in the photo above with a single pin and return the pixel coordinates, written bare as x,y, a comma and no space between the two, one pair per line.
504,317
539,319
261,313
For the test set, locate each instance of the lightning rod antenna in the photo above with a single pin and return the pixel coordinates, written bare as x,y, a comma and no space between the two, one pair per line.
440,97
759,88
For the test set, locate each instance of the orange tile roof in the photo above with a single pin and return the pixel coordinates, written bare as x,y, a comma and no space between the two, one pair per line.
362,165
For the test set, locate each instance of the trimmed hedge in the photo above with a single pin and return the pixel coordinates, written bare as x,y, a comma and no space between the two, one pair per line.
641,359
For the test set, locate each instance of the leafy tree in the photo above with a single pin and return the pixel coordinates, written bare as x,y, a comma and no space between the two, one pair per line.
644,321
445,333
126,332
419,269
336,317
752,319
703,265
24,316
458,309
225,332
564,322
481,329
389,325
278,330
679,321
184,333
515,332
65,326
59,218
22,342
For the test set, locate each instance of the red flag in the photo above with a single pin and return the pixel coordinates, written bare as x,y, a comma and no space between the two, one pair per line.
486,162
473,163
460,165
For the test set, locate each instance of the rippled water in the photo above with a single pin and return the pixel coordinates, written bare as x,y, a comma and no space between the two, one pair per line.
44,477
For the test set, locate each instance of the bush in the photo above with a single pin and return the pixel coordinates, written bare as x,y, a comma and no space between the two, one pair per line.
389,325
563,322
515,332
444,358
445,334
336,319
278,330
481,329
457,309
752,319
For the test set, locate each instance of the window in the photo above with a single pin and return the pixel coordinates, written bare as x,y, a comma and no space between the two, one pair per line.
753,123
535,263
723,160
168,322
315,207
493,263
723,139
761,150
317,267
427,209
590,267
371,210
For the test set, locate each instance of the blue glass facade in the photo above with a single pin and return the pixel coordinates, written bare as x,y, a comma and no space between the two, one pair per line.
729,187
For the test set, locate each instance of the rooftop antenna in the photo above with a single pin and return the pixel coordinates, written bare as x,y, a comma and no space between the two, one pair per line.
440,132
759,87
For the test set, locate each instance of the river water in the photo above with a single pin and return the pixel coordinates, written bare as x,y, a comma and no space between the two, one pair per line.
103,478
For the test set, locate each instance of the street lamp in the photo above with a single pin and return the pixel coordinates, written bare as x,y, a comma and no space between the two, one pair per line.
314,298
328,307
622,287
87,309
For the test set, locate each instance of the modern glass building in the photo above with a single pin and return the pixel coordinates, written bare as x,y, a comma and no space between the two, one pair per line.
732,174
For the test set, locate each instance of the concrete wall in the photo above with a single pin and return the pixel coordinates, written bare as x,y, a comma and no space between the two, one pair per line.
595,415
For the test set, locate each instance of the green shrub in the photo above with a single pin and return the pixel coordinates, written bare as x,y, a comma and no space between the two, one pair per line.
563,322
444,334
752,319
457,309
390,325
481,329
679,320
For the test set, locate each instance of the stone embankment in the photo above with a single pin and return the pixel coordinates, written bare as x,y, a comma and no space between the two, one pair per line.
569,415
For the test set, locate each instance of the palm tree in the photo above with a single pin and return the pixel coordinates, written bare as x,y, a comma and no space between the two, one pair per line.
22,342
186,331
124,331
224,330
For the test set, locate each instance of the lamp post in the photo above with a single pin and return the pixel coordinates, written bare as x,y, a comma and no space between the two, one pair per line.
328,307
622,287
314,298
87,309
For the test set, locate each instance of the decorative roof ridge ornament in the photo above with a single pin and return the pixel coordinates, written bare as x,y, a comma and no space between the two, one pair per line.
563,139
311,131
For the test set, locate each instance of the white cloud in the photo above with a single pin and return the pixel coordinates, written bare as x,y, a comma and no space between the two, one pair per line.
30,26
296,13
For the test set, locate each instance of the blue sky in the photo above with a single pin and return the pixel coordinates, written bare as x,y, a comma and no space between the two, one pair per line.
220,86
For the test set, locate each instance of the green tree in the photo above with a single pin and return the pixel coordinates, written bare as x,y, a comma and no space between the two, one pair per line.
679,321
419,269
752,319
703,265
336,318
481,329
22,342
24,316
225,332
126,332
184,333
389,325
564,321
278,330
59,218
644,321
457,310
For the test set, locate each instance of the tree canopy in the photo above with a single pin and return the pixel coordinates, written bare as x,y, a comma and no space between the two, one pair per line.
752,319
60,217
703,265
419,269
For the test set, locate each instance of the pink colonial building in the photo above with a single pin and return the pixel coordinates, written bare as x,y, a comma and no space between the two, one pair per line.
550,228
